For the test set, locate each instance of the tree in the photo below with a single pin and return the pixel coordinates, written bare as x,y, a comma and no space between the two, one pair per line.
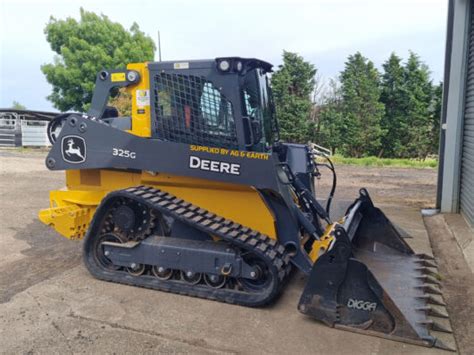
122,102
292,86
436,117
397,115
419,108
362,109
330,123
17,106
85,47
412,109
394,121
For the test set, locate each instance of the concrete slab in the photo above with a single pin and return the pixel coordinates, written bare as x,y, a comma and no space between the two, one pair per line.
457,281
50,304
75,313
463,234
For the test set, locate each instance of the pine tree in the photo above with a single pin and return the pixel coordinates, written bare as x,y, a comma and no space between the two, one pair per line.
437,105
394,121
292,86
418,110
330,124
361,107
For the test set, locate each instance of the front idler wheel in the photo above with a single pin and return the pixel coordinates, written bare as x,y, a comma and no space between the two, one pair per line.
99,251
261,277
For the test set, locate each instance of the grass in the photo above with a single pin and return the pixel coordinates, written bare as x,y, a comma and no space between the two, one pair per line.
26,150
386,162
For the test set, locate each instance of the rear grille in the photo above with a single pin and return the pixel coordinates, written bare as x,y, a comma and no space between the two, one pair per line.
190,109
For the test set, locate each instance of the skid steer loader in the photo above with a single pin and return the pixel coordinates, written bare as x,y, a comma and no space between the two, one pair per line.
195,194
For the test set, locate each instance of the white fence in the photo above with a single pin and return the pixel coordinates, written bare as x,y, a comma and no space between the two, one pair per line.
33,133
10,130
15,131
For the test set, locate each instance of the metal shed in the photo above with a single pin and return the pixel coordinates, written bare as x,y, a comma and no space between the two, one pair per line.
456,169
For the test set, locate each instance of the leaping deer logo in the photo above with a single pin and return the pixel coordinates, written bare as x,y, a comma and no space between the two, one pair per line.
71,150
74,149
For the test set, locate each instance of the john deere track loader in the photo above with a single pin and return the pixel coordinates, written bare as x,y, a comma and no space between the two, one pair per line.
195,194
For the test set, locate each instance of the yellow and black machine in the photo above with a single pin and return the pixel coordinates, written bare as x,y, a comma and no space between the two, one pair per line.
195,194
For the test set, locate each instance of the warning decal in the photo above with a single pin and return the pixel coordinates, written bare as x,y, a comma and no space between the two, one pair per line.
142,97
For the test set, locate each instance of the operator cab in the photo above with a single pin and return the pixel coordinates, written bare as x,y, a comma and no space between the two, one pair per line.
224,102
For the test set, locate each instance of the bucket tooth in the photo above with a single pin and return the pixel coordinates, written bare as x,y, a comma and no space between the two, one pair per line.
434,342
427,263
435,326
440,345
427,271
429,280
434,312
425,256
431,300
426,288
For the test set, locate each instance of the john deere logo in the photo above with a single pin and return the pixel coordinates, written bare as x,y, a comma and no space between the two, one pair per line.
73,149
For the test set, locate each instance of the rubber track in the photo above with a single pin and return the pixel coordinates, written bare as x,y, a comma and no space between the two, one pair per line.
269,250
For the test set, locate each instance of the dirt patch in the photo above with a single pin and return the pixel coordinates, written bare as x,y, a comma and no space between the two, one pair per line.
31,252
457,282
399,186
48,255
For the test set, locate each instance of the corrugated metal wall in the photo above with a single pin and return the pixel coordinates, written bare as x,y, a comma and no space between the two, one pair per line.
467,162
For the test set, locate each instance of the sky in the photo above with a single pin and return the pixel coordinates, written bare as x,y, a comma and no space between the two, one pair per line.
323,32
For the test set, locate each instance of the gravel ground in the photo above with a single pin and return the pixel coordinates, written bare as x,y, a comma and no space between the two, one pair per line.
50,304
394,186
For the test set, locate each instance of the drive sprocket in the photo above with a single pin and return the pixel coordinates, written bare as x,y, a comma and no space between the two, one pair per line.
131,219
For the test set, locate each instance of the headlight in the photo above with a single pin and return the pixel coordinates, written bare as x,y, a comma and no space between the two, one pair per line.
224,65
239,66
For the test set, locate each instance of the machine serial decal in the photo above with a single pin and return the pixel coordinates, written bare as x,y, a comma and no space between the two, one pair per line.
214,166
73,149
361,305
123,153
